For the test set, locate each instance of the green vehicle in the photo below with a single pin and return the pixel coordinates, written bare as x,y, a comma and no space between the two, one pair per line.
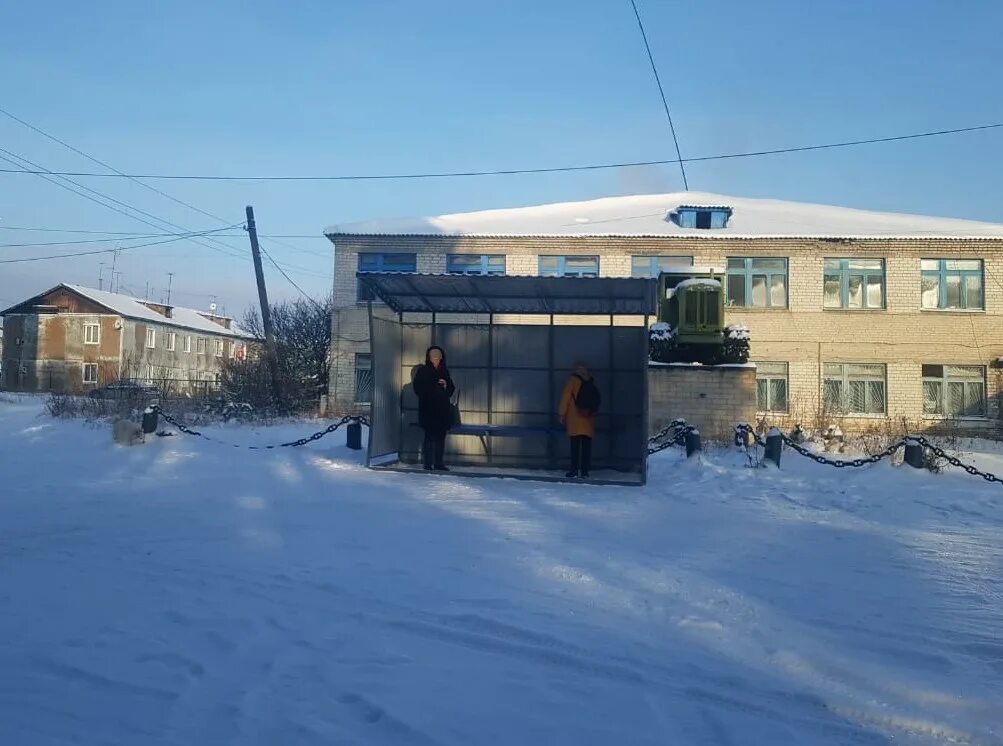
691,312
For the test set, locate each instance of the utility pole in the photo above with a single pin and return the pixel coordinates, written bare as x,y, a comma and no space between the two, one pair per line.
170,280
266,312
147,296
100,275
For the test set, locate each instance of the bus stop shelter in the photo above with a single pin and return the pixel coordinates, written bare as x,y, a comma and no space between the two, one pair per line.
509,361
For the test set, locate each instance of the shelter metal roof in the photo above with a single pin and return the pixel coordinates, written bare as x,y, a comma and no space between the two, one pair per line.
407,292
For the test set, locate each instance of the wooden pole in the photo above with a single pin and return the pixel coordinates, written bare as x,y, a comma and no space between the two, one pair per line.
266,312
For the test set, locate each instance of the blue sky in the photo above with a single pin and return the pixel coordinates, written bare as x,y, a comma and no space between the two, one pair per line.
344,86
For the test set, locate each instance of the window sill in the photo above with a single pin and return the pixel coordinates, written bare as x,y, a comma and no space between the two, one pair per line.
859,416
983,419
756,309
840,309
773,412
953,310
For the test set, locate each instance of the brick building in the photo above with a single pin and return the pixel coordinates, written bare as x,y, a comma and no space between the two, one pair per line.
75,339
856,316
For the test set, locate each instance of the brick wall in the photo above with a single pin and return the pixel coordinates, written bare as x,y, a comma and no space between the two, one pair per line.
902,336
713,399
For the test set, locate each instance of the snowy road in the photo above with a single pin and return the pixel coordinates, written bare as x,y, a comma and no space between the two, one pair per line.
187,593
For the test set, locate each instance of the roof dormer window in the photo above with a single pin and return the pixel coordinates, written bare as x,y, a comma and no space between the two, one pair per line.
689,216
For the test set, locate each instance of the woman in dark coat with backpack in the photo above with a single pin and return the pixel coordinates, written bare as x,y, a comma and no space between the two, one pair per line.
434,388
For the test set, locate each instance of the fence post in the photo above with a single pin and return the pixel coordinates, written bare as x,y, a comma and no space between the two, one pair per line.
774,446
149,420
914,454
354,436
692,442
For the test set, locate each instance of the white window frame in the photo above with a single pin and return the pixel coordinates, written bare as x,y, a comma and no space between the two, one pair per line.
151,339
188,344
219,347
83,374
854,373
172,341
88,326
233,350
200,346
976,374
764,374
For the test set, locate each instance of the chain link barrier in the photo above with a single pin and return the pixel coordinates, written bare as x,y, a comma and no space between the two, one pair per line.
673,434
291,444
953,460
743,431
855,463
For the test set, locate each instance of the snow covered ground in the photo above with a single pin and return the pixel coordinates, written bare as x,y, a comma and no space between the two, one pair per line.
188,593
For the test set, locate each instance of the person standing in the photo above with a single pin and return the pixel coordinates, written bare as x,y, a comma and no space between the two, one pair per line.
434,388
577,410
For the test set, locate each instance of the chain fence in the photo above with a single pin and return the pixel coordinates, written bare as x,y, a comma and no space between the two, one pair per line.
347,419
746,435
673,434
953,460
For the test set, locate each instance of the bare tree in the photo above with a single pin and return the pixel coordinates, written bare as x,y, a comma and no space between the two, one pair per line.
303,347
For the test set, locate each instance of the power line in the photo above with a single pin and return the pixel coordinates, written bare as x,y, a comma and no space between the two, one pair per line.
131,237
661,92
109,251
136,233
46,173
516,171
91,158
290,279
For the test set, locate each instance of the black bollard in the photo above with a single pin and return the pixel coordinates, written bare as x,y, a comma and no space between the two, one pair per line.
774,446
692,442
914,455
149,420
354,437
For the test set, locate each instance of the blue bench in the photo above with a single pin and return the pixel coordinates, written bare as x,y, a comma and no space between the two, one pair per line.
512,431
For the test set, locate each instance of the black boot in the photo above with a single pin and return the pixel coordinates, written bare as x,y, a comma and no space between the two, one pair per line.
427,452
440,454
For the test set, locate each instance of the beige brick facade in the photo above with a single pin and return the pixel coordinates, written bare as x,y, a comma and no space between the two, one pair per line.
713,399
901,336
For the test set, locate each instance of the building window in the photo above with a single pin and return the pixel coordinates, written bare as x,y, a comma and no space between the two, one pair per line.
954,390
219,348
383,263
200,346
171,341
475,264
90,373
569,266
951,283
652,266
854,388
771,387
151,338
363,378
757,282
854,283
188,345
704,218
233,350
92,334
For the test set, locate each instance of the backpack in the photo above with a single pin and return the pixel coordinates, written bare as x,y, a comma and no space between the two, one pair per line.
588,398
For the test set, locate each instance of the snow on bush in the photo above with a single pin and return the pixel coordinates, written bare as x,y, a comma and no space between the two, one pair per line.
662,332
737,331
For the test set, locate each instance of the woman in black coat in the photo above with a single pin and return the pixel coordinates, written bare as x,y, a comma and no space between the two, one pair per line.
434,387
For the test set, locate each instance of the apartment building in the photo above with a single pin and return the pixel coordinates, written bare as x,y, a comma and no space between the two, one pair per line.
75,339
857,316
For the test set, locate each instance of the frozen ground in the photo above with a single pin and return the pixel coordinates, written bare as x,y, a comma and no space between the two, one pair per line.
186,593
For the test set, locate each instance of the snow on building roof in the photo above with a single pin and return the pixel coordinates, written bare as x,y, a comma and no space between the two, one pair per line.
651,215
134,308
